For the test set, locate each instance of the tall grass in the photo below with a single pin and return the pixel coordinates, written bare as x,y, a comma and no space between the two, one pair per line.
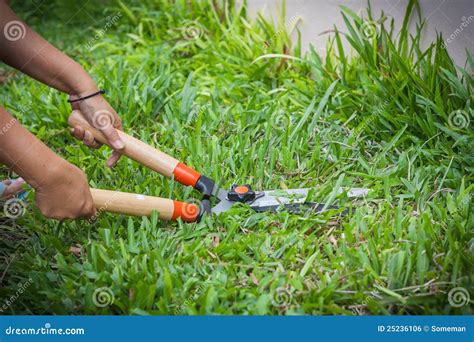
218,91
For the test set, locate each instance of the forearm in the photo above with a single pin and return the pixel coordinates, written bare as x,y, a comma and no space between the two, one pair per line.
25,154
30,53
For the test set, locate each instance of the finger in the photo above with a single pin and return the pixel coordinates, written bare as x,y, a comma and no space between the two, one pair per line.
89,140
95,144
89,212
118,123
113,159
113,138
78,132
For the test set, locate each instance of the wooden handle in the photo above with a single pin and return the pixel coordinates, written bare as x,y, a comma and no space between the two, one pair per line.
140,205
134,148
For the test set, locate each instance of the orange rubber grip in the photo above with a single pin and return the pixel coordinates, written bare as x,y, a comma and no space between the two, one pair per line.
187,211
185,175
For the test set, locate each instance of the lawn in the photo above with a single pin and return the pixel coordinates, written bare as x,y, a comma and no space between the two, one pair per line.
217,90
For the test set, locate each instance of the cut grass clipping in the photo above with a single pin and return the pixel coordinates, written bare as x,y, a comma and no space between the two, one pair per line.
231,98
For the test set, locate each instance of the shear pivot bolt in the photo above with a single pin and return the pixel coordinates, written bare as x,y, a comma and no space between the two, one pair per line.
241,193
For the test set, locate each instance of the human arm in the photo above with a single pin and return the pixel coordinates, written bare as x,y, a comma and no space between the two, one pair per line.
62,191
24,49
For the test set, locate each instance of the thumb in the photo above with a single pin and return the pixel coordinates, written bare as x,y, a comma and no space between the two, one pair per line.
112,137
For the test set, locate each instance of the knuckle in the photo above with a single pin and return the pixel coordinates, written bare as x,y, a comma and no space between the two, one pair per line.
46,212
87,210
110,132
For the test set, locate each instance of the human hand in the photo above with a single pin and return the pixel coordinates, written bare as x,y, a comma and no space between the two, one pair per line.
65,194
98,112
61,188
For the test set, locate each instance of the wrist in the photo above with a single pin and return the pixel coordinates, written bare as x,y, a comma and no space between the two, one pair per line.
82,85
28,156
84,89
50,174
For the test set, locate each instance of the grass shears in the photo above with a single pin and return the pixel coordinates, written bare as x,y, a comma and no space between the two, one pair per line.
293,200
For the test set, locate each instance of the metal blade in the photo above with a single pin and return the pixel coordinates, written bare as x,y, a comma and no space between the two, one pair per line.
298,208
267,198
222,206
292,200
356,192
279,197
221,194
274,197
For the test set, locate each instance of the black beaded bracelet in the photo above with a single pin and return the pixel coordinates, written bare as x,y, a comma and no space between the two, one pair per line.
100,92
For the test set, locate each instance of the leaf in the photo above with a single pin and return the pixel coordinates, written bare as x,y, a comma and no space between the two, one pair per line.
308,264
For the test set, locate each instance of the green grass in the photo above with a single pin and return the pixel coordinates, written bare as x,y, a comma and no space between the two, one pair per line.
378,116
